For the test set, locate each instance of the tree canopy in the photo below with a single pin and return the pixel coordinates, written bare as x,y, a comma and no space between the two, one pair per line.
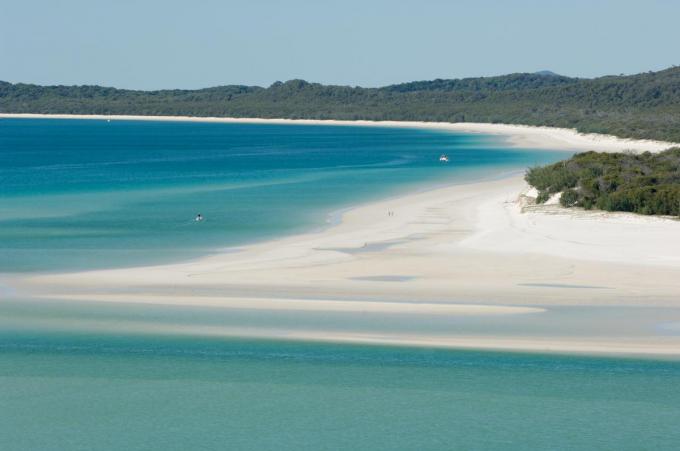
645,105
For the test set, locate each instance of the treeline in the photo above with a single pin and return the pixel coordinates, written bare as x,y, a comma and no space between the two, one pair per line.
646,183
639,106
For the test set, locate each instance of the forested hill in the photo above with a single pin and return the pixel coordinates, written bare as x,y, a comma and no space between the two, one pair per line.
641,106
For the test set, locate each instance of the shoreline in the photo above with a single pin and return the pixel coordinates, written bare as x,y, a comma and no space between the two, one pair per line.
421,262
457,250
526,136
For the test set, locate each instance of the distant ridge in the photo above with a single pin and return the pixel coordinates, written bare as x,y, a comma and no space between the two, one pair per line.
547,73
645,105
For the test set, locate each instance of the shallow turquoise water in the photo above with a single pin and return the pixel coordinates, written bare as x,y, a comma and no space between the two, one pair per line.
107,392
89,376
80,194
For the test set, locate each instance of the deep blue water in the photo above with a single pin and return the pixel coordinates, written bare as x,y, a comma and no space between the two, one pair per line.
80,194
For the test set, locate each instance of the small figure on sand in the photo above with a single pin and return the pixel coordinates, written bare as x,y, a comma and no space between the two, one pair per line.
199,217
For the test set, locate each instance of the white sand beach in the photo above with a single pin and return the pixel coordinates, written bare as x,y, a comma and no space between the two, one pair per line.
518,135
473,249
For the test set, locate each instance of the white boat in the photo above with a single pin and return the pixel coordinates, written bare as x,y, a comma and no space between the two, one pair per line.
443,158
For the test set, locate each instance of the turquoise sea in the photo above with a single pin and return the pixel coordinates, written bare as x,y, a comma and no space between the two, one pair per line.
83,376
93,391
80,194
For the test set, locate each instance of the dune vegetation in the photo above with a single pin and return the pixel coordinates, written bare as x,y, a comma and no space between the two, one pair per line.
647,183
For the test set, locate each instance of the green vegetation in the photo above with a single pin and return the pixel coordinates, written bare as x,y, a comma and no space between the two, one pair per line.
639,106
646,183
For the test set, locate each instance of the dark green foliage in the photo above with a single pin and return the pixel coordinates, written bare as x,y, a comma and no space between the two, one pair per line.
646,183
640,106
569,197
543,196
